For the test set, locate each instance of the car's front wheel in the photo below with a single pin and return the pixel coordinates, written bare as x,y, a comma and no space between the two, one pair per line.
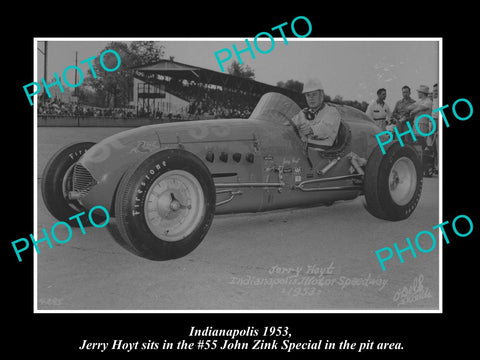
57,182
165,205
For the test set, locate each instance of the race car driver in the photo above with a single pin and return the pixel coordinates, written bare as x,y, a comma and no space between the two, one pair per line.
319,122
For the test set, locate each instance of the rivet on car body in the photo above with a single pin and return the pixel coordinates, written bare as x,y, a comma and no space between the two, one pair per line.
237,157
224,156
210,156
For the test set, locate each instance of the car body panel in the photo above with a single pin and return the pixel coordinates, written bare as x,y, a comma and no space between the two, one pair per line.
279,156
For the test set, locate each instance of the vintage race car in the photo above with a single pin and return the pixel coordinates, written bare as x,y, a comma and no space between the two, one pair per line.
163,183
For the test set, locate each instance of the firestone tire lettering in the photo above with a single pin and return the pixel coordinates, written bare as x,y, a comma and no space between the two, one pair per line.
132,229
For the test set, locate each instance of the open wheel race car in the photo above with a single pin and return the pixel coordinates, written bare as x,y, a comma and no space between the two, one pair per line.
163,183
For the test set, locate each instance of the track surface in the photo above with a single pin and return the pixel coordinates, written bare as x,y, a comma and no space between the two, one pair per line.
245,261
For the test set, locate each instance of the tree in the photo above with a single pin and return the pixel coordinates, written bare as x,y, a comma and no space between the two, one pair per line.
89,97
291,84
338,99
241,70
146,52
356,104
115,87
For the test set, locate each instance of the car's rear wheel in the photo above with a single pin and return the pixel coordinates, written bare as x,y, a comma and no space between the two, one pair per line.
56,183
393,182
165,205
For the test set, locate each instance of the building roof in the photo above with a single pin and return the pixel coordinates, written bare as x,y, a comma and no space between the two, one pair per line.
194,73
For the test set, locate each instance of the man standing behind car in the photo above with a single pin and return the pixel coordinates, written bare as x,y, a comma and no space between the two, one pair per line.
319,121
400,112
422,106
434,138
378,109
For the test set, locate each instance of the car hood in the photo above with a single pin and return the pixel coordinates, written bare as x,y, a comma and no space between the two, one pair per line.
119,150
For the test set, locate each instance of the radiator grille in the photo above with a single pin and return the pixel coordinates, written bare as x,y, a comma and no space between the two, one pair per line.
82,180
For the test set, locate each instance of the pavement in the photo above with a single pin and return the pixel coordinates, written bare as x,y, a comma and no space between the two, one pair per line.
312,259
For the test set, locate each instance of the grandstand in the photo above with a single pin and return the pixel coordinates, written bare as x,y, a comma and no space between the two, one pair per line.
166,91
189,92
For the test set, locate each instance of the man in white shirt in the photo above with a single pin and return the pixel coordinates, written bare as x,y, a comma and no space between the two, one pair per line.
378,109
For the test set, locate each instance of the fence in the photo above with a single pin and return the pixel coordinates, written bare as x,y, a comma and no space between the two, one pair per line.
99,121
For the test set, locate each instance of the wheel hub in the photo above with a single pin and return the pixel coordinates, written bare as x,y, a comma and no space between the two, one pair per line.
394,181
174,205
402,181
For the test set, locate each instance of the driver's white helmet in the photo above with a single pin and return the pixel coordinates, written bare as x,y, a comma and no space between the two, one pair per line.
312,85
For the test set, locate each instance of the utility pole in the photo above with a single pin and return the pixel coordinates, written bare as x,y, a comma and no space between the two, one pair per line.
45,61
76,64
45,57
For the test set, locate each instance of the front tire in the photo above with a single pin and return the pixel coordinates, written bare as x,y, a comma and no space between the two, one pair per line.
393,182
57,182
164,206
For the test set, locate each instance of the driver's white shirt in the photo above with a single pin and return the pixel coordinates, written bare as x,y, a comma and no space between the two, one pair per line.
324,126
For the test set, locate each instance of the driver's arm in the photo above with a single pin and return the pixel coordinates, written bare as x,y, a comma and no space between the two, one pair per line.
295,120
420,106
303,126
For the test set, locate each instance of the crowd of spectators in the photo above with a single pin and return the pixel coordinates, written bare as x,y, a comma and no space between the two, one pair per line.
204,103
212,101
57,107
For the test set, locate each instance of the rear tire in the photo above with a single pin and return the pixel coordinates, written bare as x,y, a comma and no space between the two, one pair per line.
393,182
164,206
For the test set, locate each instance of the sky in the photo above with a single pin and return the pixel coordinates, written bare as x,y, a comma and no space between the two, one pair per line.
350,68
